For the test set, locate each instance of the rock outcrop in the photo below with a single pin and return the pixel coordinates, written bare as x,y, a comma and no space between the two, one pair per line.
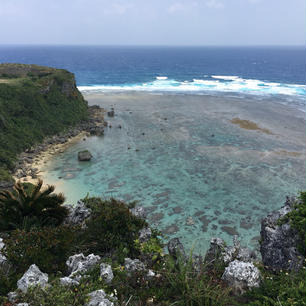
78,214
176,249
106,273
79,263
279,242
241,276
99,298
32,277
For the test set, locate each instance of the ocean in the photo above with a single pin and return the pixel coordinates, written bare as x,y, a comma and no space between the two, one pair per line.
256,70
178,152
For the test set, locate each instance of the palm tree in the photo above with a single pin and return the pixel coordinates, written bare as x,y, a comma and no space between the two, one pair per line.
25,208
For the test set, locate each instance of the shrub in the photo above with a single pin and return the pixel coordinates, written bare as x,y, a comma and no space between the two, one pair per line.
48,248
282,288
29,206
111,227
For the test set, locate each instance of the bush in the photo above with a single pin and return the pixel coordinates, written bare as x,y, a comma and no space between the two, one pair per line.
111,227
48,248
282,288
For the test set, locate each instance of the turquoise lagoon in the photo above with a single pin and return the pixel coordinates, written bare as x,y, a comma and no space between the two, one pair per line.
198,175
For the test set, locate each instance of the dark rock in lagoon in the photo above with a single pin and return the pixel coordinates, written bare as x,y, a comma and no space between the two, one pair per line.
230,230
111,113
171,229
156,217
223,222
84,155
214,227
177,209
246,224
279,242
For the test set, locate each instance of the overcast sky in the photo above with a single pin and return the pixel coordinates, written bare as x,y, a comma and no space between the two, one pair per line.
153,22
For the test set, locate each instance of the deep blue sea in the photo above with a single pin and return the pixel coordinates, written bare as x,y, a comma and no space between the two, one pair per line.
255,70
177,151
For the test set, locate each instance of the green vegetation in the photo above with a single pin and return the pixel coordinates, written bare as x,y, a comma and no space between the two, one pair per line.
281,288
111,227
35,102
24,209
112,232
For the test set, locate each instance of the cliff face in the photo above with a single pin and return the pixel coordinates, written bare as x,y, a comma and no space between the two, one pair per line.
35,102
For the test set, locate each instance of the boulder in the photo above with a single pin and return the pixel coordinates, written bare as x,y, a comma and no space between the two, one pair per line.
106,273
67,282
241,276
22,304
176,248
145,234
84,155
4,264
12,296
99,298
111,113
78,214
32,277
139,212
79,263
279,242
219,251
133,265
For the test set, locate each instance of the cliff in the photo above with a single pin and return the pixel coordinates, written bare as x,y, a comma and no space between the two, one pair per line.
35,102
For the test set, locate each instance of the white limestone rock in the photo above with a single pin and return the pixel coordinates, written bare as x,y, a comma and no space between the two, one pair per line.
241,276
99,298
32,277
106,273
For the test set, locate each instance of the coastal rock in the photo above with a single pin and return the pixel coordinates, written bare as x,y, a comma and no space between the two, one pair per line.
279,243
133,265
79,263
219,251
12,296
32,277
22,304
176,249
106,273
4,264
97,130
139,212
111,113
99,298
84,155
78,214
145,234
241,276
67,281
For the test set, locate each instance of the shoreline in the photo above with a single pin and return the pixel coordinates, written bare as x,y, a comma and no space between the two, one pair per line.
31,163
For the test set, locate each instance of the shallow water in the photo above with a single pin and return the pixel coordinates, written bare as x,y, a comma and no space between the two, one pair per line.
198,175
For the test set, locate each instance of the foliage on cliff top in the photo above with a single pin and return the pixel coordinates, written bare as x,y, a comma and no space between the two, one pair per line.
35,102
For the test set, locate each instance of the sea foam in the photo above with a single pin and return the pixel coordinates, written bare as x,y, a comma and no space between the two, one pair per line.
232,84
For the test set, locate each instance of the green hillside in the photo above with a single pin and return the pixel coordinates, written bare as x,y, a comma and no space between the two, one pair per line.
35,102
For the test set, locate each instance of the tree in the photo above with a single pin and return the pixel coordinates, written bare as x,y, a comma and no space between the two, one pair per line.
29,206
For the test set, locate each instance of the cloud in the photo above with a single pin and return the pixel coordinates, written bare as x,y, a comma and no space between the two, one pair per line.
118,9
180,7
216,4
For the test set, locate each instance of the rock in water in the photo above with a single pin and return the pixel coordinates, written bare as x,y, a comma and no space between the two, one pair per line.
99,298
33,277
241,276
106,273
84,155
279,242
138,212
